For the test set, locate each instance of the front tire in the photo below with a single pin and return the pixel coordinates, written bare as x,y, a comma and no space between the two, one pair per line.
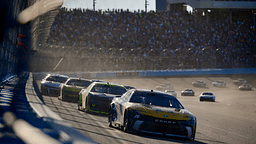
126,123
110,117
194,134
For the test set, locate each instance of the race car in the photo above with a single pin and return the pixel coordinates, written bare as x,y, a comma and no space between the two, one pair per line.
219,83
239,81
207,96
171,92
50,85
187,92
152,111
164,86
70,90
199,83
98,96
245,87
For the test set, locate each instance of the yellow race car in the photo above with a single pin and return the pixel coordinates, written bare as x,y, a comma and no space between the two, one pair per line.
70,90
151,111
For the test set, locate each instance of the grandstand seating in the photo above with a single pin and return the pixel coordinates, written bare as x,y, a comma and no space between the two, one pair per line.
214,42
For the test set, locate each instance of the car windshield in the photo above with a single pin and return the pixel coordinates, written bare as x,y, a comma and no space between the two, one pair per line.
77,82
57,79
156,99
110,89
207,94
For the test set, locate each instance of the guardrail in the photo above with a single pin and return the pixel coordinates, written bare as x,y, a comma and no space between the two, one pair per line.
148,73
25,118
66,132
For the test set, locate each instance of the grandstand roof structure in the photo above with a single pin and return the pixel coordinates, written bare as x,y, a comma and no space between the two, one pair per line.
216,4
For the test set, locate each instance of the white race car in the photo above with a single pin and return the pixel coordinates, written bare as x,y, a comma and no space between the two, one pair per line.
239,81
207,96
171,92
187,92
50,85
199,83
219,83
245,87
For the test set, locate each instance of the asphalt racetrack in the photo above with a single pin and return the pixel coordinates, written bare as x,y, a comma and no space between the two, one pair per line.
231,119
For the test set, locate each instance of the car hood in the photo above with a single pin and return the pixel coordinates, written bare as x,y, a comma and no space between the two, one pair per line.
162,112
52,84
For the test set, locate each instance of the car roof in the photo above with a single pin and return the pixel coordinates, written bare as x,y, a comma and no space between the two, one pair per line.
152,91
57,75
207,92
112,84
148,90
74,78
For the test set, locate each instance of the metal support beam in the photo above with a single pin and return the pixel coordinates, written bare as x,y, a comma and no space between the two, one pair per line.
195,16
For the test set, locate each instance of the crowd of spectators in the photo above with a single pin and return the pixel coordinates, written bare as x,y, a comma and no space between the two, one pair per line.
123,40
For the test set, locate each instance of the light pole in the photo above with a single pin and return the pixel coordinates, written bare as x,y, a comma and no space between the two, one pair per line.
215,59
146,5
94,2
186,56
149,59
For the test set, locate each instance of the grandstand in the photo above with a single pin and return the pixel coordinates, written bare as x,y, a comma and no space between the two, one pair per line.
179,39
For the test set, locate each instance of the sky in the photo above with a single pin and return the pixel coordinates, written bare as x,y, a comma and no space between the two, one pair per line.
116,4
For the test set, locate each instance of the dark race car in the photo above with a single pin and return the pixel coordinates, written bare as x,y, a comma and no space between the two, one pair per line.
51,84
97,97
70,90
151,111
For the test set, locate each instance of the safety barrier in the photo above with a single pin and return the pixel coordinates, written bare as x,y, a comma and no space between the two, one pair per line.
65,130
148,73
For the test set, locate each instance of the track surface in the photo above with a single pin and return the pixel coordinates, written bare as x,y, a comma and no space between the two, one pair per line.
231,119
